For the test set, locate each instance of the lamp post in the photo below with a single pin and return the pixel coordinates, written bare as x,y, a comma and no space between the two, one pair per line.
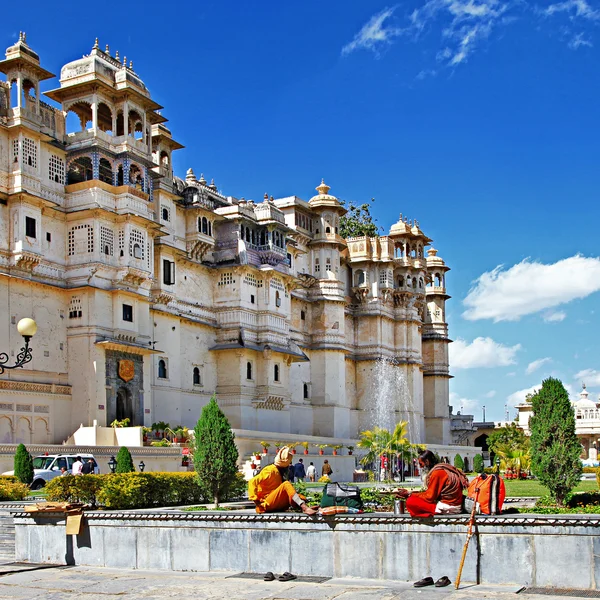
497,465
141,466
27,328
112,463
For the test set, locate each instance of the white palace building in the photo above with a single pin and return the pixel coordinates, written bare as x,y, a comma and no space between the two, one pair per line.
152,292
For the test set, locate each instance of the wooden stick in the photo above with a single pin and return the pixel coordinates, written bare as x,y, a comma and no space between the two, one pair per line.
469,534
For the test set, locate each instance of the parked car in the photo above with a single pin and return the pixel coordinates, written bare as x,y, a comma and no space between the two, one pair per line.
48,467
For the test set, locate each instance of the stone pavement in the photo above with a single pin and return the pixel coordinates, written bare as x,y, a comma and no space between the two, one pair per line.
88,583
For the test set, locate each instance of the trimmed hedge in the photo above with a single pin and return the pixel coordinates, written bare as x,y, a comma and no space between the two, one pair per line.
13,490
132,490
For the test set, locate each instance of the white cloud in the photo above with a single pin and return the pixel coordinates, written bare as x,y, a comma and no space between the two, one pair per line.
529,287
555,316
578,41
375,34
490,394
426,73
519,397
466,406
590,377
577,8
536,364
481,353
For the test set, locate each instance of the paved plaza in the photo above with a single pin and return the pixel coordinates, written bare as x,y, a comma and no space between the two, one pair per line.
71,583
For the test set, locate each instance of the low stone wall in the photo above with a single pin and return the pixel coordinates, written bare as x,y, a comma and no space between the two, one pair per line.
155,458
534,550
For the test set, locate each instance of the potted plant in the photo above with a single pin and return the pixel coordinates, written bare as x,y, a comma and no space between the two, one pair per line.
305,446
278,445
123,423
154,427
292,446
337,447
265,447
257,455
350,449
145,432
178,433
321,448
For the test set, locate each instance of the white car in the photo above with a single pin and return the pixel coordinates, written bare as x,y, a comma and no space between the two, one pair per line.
48,467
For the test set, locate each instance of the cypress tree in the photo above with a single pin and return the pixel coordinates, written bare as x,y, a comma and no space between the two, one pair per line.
124,461
23,465
555,449
459,463
478,463
215,453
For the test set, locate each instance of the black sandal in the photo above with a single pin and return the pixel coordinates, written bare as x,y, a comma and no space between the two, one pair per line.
286,577
269,576
423,582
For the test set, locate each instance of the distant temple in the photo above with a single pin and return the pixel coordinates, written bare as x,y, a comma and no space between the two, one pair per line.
153,292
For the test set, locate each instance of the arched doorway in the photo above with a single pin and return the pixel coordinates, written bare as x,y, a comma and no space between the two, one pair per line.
124,405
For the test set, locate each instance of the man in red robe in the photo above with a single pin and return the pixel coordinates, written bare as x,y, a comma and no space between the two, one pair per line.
444,489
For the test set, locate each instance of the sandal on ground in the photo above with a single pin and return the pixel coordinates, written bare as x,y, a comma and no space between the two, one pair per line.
286,577
442,582
269,576
423,582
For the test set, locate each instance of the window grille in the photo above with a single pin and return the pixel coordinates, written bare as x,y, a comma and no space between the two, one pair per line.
136,244
226,279
75,308
56,169
107,241
81,239
30,152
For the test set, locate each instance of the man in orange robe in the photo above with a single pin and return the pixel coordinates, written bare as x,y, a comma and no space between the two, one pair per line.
271,493
444,489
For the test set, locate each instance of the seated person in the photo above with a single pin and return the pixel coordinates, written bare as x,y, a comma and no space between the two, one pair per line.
444,485
271,493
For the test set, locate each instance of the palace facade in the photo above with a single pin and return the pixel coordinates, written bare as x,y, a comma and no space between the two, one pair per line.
153,292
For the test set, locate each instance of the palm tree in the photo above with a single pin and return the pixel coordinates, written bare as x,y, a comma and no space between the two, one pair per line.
515,459
379,442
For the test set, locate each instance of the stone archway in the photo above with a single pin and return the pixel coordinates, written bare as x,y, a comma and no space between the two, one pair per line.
125,405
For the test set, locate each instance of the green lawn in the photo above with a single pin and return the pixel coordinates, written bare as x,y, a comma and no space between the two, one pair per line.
531,487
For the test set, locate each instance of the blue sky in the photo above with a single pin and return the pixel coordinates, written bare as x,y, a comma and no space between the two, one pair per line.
477,117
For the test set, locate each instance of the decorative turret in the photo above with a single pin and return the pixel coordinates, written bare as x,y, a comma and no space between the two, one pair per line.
22,68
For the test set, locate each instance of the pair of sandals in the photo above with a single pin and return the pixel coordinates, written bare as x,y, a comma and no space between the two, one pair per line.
285,577
441,582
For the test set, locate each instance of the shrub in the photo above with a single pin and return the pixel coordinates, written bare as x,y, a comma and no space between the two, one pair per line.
215,453
124,461
590,470
23,465
127,490
13,490
555,448
10,478
324,479
459,463
74,488
478,463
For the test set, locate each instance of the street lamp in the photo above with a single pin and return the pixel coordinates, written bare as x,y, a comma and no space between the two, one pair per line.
27,328
112,463
497,465
141,466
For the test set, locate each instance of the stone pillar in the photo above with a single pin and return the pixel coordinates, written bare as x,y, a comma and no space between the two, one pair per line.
19,91
95,113
37,98
126,118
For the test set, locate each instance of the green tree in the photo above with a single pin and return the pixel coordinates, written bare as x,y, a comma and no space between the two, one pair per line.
516,460
23,465
459,463
478,463
555,449
124,461
358,221
510,437
215,453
